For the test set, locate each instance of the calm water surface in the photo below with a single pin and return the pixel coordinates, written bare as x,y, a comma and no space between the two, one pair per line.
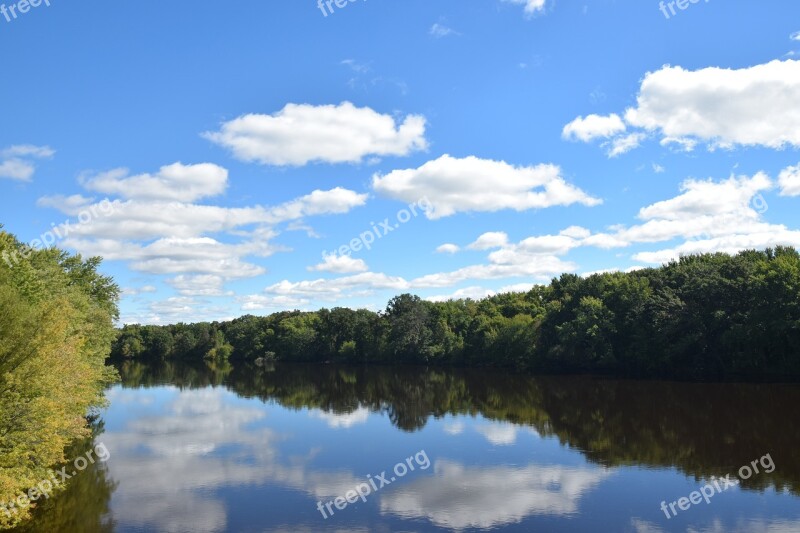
255,450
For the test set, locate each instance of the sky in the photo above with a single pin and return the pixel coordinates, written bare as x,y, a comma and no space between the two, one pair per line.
248,157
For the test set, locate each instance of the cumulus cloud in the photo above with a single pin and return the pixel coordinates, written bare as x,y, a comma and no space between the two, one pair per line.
593,127
144,220
300,134
199,285
472,293
156,229
176,182
789,181
331,202
333,289
448,248
511,266
470,184
16,161
70,205
489,240
710,216
720,107
517,287
751,106
260,302
339,264
197,255
135,291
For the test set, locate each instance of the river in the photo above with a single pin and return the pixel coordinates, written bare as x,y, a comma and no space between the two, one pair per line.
325,448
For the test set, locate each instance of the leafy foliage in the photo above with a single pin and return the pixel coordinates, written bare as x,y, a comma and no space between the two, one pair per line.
709,316
56,327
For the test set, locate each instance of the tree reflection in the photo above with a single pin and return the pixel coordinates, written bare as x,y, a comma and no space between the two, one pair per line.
84,504
700,429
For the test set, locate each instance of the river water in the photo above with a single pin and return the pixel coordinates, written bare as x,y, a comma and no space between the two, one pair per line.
325,448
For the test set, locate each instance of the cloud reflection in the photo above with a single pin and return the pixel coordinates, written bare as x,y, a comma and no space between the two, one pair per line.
459,497
717,526
169,465
342,420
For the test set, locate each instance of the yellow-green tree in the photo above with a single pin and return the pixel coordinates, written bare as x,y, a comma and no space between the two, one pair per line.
56,327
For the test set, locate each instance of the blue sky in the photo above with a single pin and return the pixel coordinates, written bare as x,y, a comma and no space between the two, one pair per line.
216,154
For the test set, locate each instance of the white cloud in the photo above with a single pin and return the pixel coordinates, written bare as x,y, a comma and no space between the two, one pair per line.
173,238
517,287
723,108
144,220
440,30
176,182
332,202
726,215
260,302
593,127
28,150
707,197
752,106
70,205
15,161
16,169
448,248
795,36
471,184
333,289
789,181
489,240
199,285
711,216
472,293
300,134
514,266
625,143
135,291
339,264
532,7
175,255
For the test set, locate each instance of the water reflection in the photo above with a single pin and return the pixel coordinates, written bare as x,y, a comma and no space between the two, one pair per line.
701,429
207,449
460,496
84,506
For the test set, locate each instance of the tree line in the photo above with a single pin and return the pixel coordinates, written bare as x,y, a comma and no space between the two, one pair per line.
57,318
708,316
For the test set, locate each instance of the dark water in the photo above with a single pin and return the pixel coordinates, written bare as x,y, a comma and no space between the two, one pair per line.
255,450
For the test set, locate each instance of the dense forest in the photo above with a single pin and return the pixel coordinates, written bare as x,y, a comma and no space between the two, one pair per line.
56,327
710,316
